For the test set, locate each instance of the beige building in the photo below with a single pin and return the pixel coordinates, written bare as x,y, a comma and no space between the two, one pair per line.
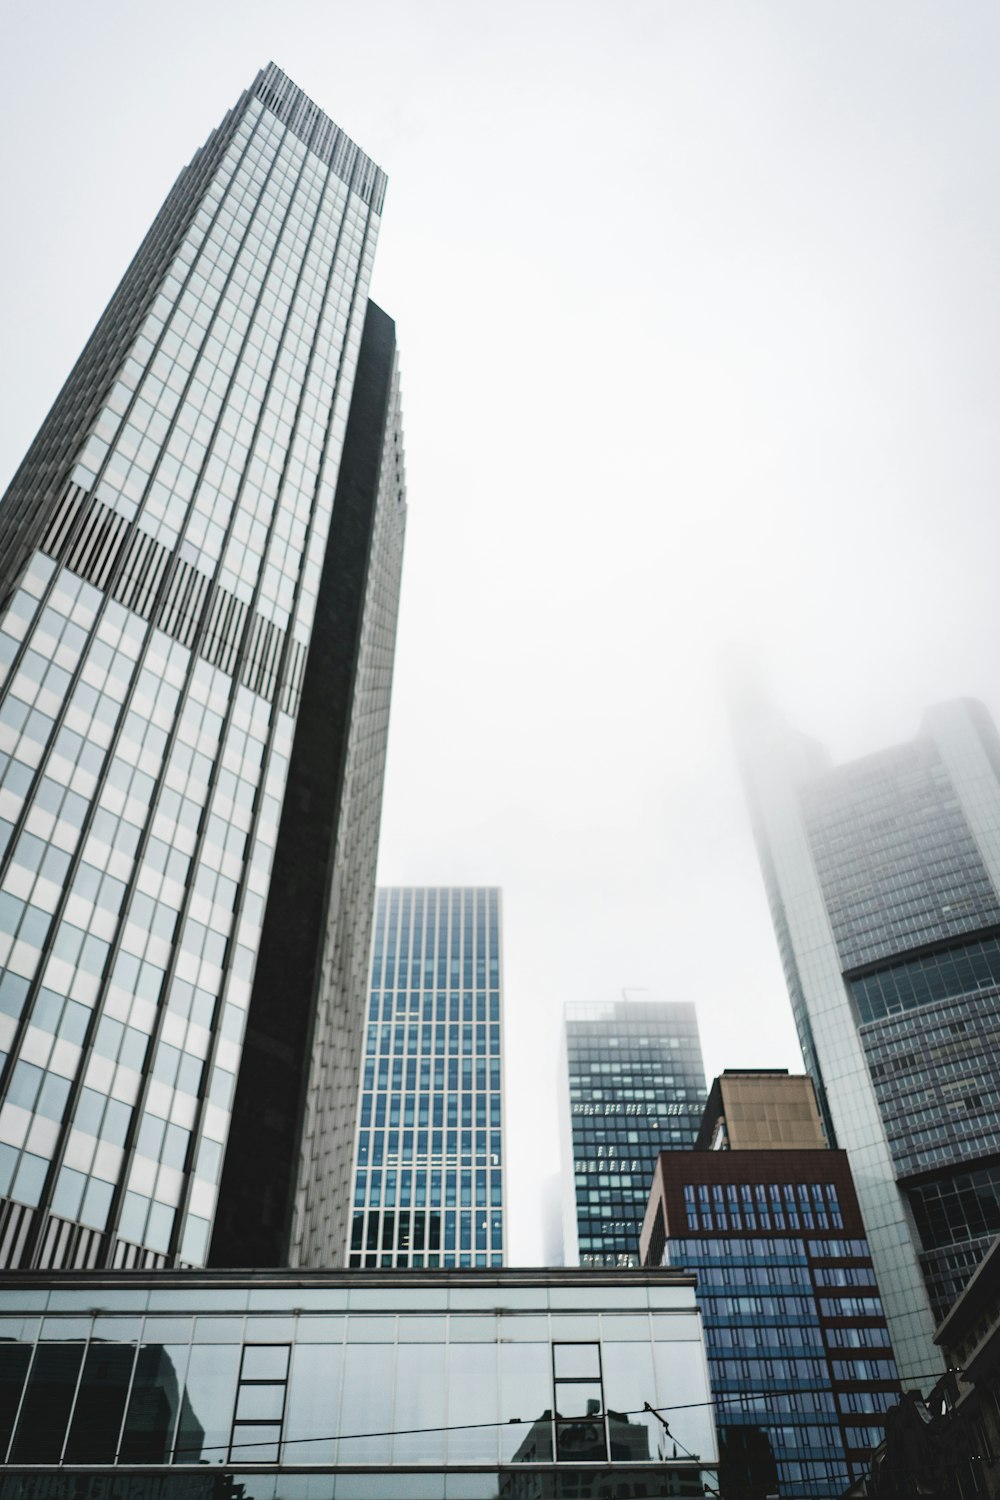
765,1110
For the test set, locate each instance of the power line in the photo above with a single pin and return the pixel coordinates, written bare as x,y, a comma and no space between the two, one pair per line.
646,1409
718,1400
735,1396
393,1432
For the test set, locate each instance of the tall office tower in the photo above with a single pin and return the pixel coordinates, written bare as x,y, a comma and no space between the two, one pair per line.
798,1348
201,556
884,882
633,1083
428,1181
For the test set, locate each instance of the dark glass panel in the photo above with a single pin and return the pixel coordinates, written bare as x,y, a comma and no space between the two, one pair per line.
13,1368
582,1441
100,1404
47,1403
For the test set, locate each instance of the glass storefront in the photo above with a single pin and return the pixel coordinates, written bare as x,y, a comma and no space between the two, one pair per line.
481,1372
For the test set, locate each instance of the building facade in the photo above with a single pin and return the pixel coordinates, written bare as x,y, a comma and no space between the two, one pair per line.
766,1109
883,877
200,565
800,1362
429,1177
445,1383
948,1448
966,1403
633,1082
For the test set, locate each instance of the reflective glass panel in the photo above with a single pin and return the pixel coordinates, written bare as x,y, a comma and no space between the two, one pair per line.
578,1398
628,1384
255,1444
207,1409
680,1373
313,1400
366,1412
473,1401
526,1394
576,1361
420,1403
264,1362
525,1329
154,1404
260,1403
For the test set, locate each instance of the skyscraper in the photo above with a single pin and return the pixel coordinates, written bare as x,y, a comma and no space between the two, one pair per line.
883,877
200,566
801,1367
633,1084
429,1183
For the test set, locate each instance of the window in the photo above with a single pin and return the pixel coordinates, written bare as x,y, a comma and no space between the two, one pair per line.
260,1403
578,1403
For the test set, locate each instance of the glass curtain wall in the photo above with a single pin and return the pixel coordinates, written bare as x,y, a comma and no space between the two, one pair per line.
428,1185
152,647
439,1377
636,1087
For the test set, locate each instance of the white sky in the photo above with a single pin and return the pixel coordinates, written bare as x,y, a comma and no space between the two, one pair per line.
698,305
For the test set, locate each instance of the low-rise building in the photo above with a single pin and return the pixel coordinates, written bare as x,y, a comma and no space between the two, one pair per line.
442,1385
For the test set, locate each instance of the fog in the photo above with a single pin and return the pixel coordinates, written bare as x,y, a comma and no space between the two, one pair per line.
698,310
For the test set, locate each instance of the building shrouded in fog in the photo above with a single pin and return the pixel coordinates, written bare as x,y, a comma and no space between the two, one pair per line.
883,877
632,1084
198,588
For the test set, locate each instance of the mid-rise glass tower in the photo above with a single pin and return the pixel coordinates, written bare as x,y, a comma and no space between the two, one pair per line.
200,568
633,1085
428,1181
883,877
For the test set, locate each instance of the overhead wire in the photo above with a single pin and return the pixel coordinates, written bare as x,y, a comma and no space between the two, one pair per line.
180,1453
735,1396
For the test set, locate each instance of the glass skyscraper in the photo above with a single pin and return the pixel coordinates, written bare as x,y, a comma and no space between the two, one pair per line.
200,567
429,1177
633,1085
884,882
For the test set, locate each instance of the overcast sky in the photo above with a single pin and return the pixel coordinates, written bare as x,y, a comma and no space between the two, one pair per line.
699,314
